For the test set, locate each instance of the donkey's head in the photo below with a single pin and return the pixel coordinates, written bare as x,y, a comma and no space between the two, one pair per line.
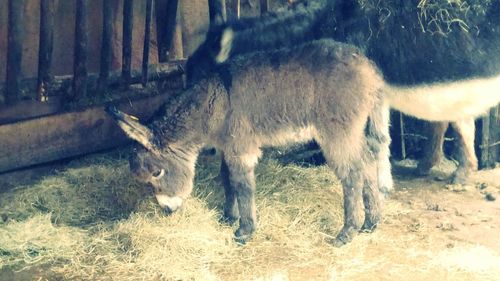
169,170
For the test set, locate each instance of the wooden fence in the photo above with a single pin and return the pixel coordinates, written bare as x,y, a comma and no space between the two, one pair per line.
49,122
50,117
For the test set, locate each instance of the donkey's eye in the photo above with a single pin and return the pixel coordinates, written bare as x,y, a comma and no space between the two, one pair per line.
159,173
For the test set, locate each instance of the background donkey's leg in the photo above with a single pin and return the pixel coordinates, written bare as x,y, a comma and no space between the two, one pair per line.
231,213
467,160
433,151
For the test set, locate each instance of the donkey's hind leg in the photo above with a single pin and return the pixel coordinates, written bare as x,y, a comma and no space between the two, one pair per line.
350,174
371,197
377,175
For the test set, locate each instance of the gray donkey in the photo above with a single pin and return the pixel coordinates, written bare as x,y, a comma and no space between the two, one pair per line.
322,90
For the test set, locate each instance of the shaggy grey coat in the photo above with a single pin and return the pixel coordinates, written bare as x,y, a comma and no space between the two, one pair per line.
323,90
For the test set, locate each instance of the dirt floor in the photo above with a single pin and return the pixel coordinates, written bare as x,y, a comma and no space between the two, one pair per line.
87,219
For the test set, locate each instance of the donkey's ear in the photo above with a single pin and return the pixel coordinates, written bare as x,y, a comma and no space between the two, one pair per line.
131,126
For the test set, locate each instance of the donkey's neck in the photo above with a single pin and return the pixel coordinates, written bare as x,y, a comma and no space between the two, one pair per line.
191,117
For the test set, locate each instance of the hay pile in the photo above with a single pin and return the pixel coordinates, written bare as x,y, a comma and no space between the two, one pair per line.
91,221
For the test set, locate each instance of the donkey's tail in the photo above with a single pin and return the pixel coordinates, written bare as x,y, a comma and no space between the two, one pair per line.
446,101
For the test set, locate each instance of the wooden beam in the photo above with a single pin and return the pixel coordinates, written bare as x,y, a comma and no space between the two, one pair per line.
147,41
80,55
47,13
14,50
128,25
67,135
106,42
61,85
170,73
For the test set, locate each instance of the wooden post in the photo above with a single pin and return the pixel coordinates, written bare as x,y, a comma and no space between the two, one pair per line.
106,51
80,57
128,25
166,21
264,6
14,50
217,11
47,12
147,40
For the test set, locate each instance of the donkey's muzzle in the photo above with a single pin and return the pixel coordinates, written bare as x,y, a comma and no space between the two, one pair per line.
169,204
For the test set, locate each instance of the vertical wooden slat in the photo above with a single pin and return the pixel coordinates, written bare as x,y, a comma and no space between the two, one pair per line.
106,51
147,40
47,12
14,50
217,11
264,6
166,13
128,25
80,56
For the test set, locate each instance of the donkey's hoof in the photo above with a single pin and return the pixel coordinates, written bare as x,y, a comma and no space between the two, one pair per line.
242,235
458,178
345,236
369,225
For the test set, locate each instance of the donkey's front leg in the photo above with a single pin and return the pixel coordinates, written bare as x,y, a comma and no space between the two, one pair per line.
241,177
231,213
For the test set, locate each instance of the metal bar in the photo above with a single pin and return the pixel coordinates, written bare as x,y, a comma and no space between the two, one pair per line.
235,9
485,142
402,134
